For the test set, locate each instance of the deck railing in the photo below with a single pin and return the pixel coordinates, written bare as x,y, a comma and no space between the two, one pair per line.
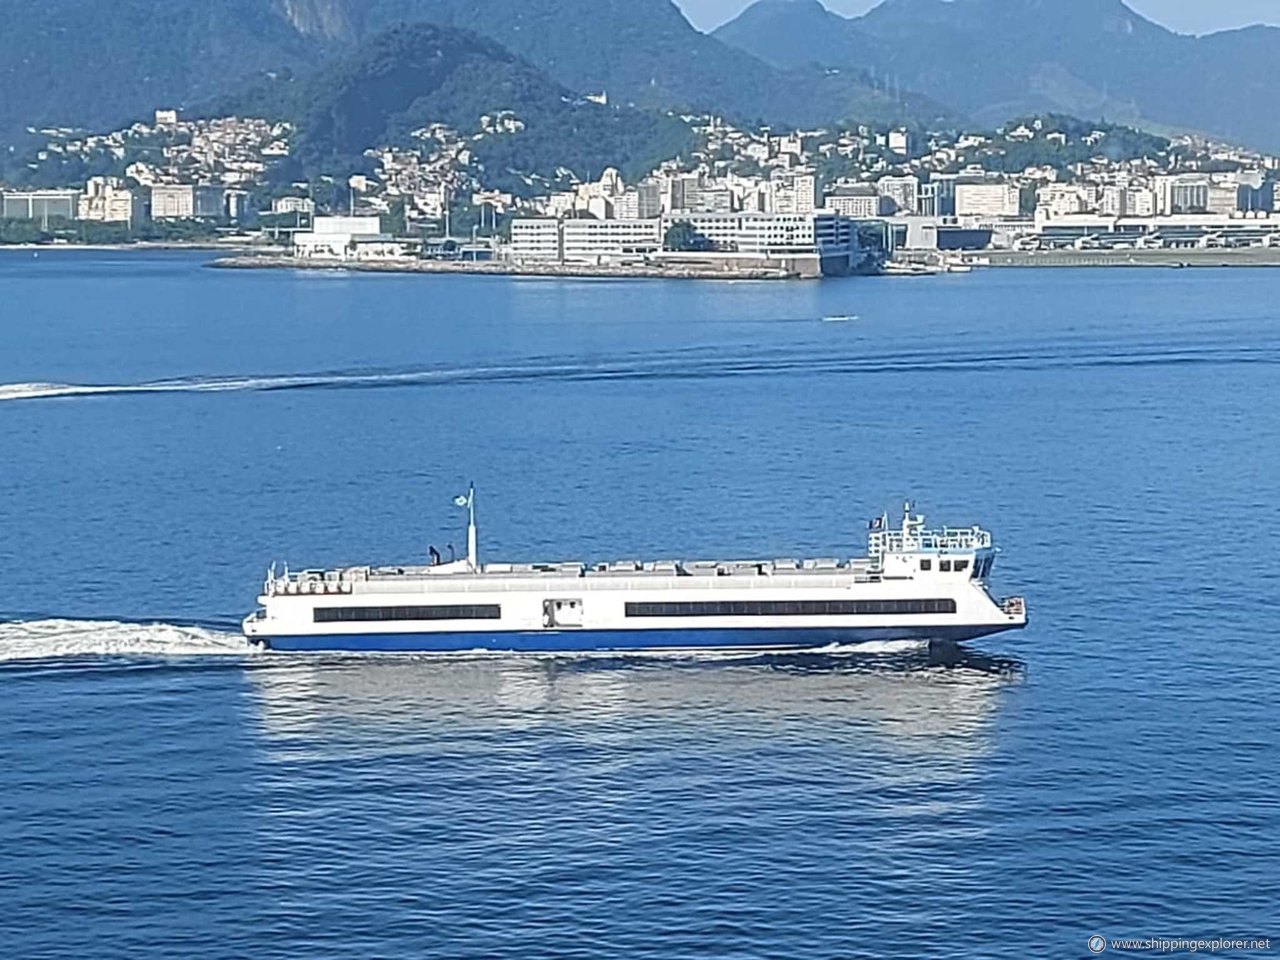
895,541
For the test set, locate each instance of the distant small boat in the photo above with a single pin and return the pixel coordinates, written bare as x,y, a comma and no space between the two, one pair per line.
898,268
841,318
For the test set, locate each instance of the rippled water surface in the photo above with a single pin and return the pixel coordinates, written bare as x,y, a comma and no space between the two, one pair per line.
167,430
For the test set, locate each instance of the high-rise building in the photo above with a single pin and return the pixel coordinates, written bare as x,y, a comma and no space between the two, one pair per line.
861,201
627,206
648,199
937,198
988,198
793,191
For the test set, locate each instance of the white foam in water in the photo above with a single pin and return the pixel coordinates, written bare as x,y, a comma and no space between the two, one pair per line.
50,639
875,646
49,391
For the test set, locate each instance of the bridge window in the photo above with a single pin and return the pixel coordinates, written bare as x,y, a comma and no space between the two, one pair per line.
926,564
962,566
944,566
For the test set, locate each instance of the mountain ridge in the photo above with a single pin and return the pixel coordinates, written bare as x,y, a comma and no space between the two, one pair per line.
105,65
1097,59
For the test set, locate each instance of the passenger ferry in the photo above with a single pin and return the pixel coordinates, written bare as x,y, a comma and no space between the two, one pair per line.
913,583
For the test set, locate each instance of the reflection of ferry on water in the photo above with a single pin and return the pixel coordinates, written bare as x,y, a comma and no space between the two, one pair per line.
914,583
924,697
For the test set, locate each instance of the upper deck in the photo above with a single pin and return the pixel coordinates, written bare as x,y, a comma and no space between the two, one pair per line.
894,546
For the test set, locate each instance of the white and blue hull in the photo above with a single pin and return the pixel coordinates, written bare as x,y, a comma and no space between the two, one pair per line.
703,640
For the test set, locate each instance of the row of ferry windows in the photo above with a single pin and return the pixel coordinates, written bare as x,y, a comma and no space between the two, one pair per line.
790,608
475,611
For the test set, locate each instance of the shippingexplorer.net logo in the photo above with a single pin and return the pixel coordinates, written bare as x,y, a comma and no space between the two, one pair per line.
1099,944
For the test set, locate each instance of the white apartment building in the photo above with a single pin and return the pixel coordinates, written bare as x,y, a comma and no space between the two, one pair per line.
627,206
1060,200
861,201
184,201
1115,200
987,199
109,200
795,191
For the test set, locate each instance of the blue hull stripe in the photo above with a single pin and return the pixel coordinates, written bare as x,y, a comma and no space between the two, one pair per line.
572,641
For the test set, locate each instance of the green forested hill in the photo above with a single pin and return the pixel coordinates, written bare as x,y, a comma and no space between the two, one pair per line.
414,75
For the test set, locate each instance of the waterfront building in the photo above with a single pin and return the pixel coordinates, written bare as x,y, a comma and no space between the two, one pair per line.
350,238
41,205
111,200
537,239
184,201
808,244
1173,231
605,241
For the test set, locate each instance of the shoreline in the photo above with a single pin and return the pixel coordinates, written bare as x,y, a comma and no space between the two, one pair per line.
1165,259
141,245
499,268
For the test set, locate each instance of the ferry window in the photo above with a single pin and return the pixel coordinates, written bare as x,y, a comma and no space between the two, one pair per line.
926,564
962,566
944,566
479,611
790,608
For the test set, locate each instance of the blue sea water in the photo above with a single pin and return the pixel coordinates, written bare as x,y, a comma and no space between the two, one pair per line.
167,430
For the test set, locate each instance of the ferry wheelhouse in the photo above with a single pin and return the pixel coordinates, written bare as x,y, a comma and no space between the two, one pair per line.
913,583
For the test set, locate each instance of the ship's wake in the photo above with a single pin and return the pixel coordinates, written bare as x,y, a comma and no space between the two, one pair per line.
58,639
695,364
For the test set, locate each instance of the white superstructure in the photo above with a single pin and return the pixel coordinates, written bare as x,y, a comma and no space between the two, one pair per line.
913,583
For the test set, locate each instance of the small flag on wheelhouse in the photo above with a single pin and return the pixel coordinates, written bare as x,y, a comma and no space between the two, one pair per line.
876,524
